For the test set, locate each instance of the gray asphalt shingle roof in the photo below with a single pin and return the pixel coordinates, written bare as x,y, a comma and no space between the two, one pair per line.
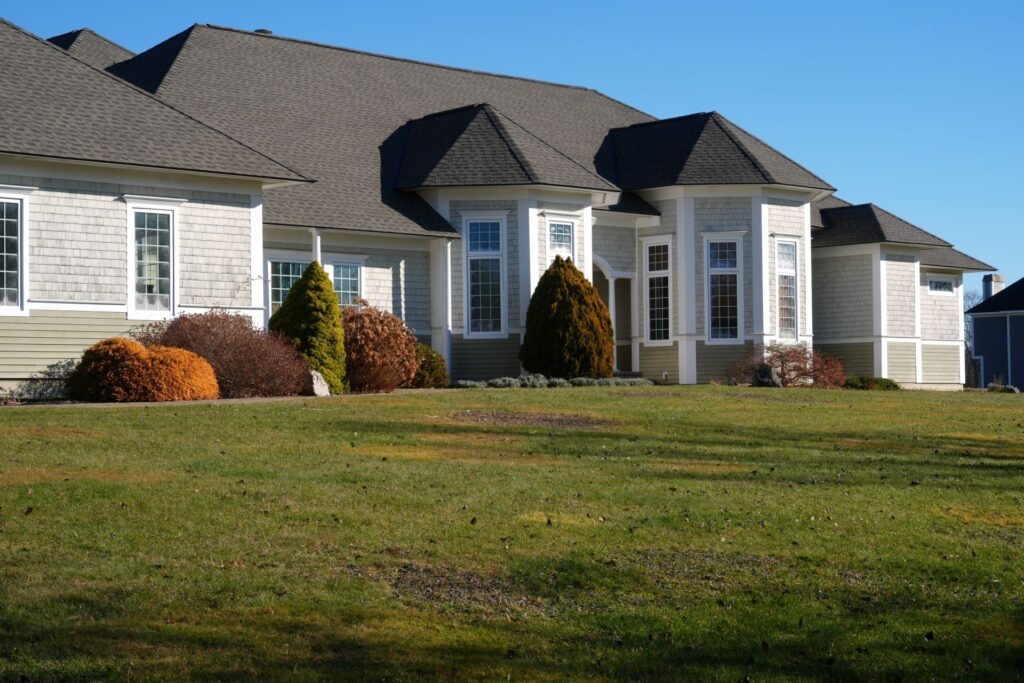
92,48
699,149
479,145
336,114
1010,299
867,223
59,107
948,257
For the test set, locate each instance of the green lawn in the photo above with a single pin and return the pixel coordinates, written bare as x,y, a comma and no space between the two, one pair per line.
646,533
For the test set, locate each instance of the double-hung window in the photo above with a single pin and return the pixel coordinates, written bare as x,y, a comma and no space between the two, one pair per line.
723,289
559,240
484,259
786,273
658,292
346,283
153,263
283,274
11,246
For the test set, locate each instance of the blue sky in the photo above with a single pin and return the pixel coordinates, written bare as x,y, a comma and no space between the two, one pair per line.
915,106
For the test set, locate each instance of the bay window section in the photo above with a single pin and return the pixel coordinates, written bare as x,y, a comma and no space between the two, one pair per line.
346,283
152,261
658,293
785,268
484,280
283,274
559,240
723,290
10,253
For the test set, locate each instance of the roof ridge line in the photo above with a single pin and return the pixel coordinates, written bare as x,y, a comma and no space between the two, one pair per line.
421,62
150,95
656,121
517,153
930,234
780,153
104,39
714,116
549,145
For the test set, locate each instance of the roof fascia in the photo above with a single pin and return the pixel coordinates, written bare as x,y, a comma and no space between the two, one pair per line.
548,192
735,190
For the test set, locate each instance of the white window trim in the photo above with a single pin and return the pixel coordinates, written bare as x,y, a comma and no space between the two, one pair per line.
20,194
357,261
941,278
796,291
575,219
737,238
168,205
501,217
572,236
646,243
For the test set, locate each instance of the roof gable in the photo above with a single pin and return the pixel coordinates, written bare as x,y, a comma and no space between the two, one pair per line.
59,107
699,149
866,224
478,145
92,48
1010,299
334,113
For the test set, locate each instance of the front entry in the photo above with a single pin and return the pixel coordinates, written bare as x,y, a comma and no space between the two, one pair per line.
617,295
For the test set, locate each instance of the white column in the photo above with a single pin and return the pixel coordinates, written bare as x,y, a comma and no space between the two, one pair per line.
440,298
611,311
317,256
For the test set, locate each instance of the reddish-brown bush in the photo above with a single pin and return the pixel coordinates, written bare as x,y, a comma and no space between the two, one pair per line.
247,361
119,369
827,371
380,351
796,366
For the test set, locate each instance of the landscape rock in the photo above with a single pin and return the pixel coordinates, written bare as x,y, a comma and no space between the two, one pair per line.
1003,389
316,385
767,376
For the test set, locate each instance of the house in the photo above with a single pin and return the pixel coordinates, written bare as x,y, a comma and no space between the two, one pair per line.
442,194
999,332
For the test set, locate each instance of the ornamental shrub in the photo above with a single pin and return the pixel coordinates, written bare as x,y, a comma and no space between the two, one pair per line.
796,365
310,319
827,371
381,350
432,372
247,361
869,383
119,369
568,328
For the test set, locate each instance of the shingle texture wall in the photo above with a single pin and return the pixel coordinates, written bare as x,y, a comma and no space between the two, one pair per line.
723,214
786,217
900,295
616,246
843,297
940,313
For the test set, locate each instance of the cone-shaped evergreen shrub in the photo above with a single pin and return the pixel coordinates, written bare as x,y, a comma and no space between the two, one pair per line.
311,319
568,328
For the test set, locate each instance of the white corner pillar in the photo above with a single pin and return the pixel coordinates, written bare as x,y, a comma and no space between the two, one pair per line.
611,310
440,298
317,253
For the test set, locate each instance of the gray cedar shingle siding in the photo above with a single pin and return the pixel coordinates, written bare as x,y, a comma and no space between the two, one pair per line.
900,295
786,218
458,256
57,106
940,313
722,214
842,297
615,245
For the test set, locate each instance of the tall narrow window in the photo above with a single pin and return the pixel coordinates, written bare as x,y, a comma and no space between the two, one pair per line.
723,290
658,311
283,274
10,253
559,240
152,261
785,268
484,279
346,283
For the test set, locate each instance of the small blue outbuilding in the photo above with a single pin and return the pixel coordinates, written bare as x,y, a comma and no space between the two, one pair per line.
999,332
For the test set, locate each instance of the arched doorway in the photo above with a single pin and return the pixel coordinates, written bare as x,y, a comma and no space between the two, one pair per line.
617,294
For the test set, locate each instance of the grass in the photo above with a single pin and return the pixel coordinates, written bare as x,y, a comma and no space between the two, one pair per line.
707,533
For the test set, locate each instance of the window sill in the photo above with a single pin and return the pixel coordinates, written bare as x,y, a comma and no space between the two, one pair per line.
485,335
659,342
725,342
13,312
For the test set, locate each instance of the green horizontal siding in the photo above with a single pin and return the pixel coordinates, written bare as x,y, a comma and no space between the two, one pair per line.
940,363
485,358
902,362
654,360
858,358
715,361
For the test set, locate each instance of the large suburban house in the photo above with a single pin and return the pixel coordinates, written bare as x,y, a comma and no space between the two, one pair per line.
999,332
209,170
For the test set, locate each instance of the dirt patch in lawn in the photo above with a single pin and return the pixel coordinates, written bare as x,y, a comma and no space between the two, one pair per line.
984,517
46,475
710,568
444,588
507,418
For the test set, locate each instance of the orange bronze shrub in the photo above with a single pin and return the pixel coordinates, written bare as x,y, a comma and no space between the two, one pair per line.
119,369
380,350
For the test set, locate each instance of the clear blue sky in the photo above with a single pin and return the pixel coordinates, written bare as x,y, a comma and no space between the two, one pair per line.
915,106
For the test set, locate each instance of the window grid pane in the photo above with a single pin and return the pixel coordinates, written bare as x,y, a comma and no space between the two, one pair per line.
485,236
787,306
283,274
787,257
944,286
658,307
724,306
152,261
485,294
559,240
657,257
346,283
722,255
10,283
